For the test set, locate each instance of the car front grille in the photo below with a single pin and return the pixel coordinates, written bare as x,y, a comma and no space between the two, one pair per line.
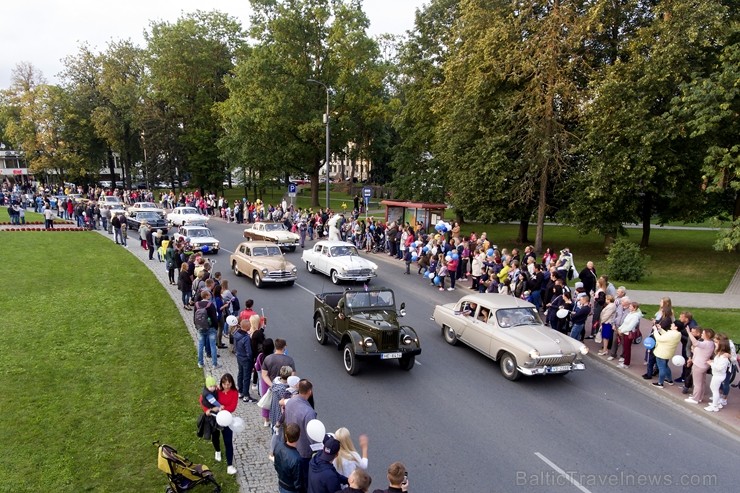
555,360
279,274
359,272
388,340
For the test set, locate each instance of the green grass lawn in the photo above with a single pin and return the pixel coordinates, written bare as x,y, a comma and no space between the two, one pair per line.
97,363
681,260
727,321
30,217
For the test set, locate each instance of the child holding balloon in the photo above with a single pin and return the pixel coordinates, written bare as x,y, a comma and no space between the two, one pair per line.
227,396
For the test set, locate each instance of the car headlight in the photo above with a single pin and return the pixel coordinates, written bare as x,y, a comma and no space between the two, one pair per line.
215,245
407,339
196,244
344,269
534,354
584,349
368,342
265,271
294,270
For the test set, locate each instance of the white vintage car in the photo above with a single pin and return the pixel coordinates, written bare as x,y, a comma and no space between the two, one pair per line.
510,331
275,232
198,237
186,215
340,261
144,207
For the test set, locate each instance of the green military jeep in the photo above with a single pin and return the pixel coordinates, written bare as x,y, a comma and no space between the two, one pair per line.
364,325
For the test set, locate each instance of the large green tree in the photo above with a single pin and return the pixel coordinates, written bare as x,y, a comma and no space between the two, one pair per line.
187,62
273,118
508,106
418,172
638,161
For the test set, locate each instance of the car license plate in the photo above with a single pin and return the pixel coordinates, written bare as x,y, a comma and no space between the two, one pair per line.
555,369
390,355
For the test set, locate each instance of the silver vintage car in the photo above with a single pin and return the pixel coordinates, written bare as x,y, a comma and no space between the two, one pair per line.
509,331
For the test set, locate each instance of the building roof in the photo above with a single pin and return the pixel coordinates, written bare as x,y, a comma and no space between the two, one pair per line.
413,205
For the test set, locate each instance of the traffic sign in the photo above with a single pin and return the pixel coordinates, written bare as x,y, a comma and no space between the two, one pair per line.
292,188
367,192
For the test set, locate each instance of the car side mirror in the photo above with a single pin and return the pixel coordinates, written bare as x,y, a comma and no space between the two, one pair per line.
402,310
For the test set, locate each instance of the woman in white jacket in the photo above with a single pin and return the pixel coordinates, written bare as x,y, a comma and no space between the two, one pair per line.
720,364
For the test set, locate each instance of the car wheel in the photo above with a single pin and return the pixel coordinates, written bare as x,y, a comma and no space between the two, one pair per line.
350,360
508,367
320,331
236,270
334,277
257,278
449,335
309,267
215,252
407,362
289,283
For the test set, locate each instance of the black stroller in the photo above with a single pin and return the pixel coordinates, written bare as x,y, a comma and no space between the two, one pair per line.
181,473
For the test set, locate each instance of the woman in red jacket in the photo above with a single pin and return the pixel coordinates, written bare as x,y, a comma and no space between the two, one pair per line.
228,397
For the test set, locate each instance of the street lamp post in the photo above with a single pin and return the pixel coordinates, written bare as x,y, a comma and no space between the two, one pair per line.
326,122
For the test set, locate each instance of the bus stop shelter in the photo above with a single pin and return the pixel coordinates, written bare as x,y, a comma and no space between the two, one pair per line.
426,213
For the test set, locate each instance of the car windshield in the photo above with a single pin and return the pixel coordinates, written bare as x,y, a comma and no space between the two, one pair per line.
275,227
199,232
188,210
149,216
343,251
112,200
266,251
146,205
370,299
514,317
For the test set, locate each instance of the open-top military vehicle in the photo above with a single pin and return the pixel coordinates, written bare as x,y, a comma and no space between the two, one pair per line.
365,325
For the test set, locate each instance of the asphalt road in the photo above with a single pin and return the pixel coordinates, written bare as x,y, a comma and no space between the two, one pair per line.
458,425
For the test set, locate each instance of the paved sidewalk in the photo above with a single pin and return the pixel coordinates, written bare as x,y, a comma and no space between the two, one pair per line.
256,474
728,418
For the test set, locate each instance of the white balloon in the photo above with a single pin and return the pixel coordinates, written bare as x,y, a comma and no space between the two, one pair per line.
237,425
231,320
678,360
224,418
431,275
562,313
316,430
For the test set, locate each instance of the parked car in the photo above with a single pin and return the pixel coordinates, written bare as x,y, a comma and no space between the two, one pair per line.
509,331
145,207
186,215
340,261
116,210
274,232
198,237
263,262
152,218
364,325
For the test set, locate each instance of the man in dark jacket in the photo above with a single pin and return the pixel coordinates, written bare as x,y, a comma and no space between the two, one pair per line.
288,461
534,284
397,479
244,359
588,278
580,313
322,476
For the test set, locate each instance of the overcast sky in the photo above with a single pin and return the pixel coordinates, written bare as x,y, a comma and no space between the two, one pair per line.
45,31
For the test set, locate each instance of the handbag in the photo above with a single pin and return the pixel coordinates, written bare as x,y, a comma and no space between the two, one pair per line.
597,338
265,401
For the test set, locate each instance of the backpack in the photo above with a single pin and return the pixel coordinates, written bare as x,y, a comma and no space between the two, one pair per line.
201,315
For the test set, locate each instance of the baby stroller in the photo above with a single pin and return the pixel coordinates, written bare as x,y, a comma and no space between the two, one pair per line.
182,474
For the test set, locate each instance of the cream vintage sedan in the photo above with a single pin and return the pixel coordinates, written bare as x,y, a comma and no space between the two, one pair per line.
340,261
509,331
274,232
263,262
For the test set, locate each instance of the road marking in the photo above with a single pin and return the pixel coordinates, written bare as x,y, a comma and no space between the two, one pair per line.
225,250
306,289
417,362
562,473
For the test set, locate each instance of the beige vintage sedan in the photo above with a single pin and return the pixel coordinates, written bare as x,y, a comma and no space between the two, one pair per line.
274,232
509,331
263,262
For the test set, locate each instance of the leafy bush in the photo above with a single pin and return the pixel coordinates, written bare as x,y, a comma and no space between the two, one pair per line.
728,239
626,262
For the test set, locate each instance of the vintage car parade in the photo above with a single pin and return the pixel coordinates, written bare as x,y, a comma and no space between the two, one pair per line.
370,246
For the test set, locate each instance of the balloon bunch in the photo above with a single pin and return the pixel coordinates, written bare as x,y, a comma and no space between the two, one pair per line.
225,418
